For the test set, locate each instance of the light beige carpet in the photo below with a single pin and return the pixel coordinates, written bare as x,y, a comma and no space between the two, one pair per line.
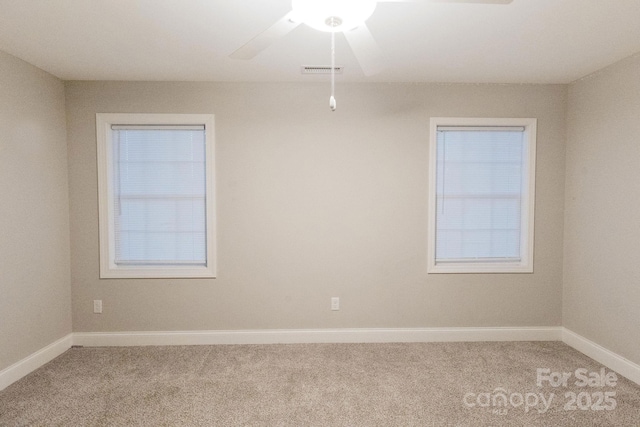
416,384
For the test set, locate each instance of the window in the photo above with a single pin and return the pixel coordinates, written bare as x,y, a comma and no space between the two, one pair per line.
156,195
481,199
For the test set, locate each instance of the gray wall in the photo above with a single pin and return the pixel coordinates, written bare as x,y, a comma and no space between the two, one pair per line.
314,204
602,225
35,293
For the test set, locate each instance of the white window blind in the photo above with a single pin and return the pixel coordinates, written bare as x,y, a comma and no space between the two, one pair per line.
159,195
481,185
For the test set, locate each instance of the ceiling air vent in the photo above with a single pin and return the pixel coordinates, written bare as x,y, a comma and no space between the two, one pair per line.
320,69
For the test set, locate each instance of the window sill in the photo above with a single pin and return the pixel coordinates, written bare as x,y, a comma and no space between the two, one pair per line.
138,272
479,268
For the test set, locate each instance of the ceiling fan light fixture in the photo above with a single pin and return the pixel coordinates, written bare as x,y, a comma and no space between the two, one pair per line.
333,15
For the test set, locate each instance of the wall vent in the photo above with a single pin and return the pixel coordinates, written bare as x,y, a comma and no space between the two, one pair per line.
320,69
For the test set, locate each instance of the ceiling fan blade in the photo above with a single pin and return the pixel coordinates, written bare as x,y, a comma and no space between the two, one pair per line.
366,50
263,40
448,1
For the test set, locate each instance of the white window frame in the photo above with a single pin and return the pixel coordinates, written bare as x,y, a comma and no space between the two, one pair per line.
525,265
104,136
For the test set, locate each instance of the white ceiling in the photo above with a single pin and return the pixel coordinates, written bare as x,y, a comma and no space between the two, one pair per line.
527,41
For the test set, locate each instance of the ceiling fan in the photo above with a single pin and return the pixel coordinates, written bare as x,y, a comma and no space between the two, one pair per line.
345,16
335,16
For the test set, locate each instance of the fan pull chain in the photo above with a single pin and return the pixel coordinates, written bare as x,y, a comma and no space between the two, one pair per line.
332,99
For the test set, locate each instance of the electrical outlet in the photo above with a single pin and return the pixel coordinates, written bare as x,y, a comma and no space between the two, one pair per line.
97,306
335,303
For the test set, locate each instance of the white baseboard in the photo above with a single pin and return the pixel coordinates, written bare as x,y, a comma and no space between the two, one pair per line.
600,354
30,363
283,336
